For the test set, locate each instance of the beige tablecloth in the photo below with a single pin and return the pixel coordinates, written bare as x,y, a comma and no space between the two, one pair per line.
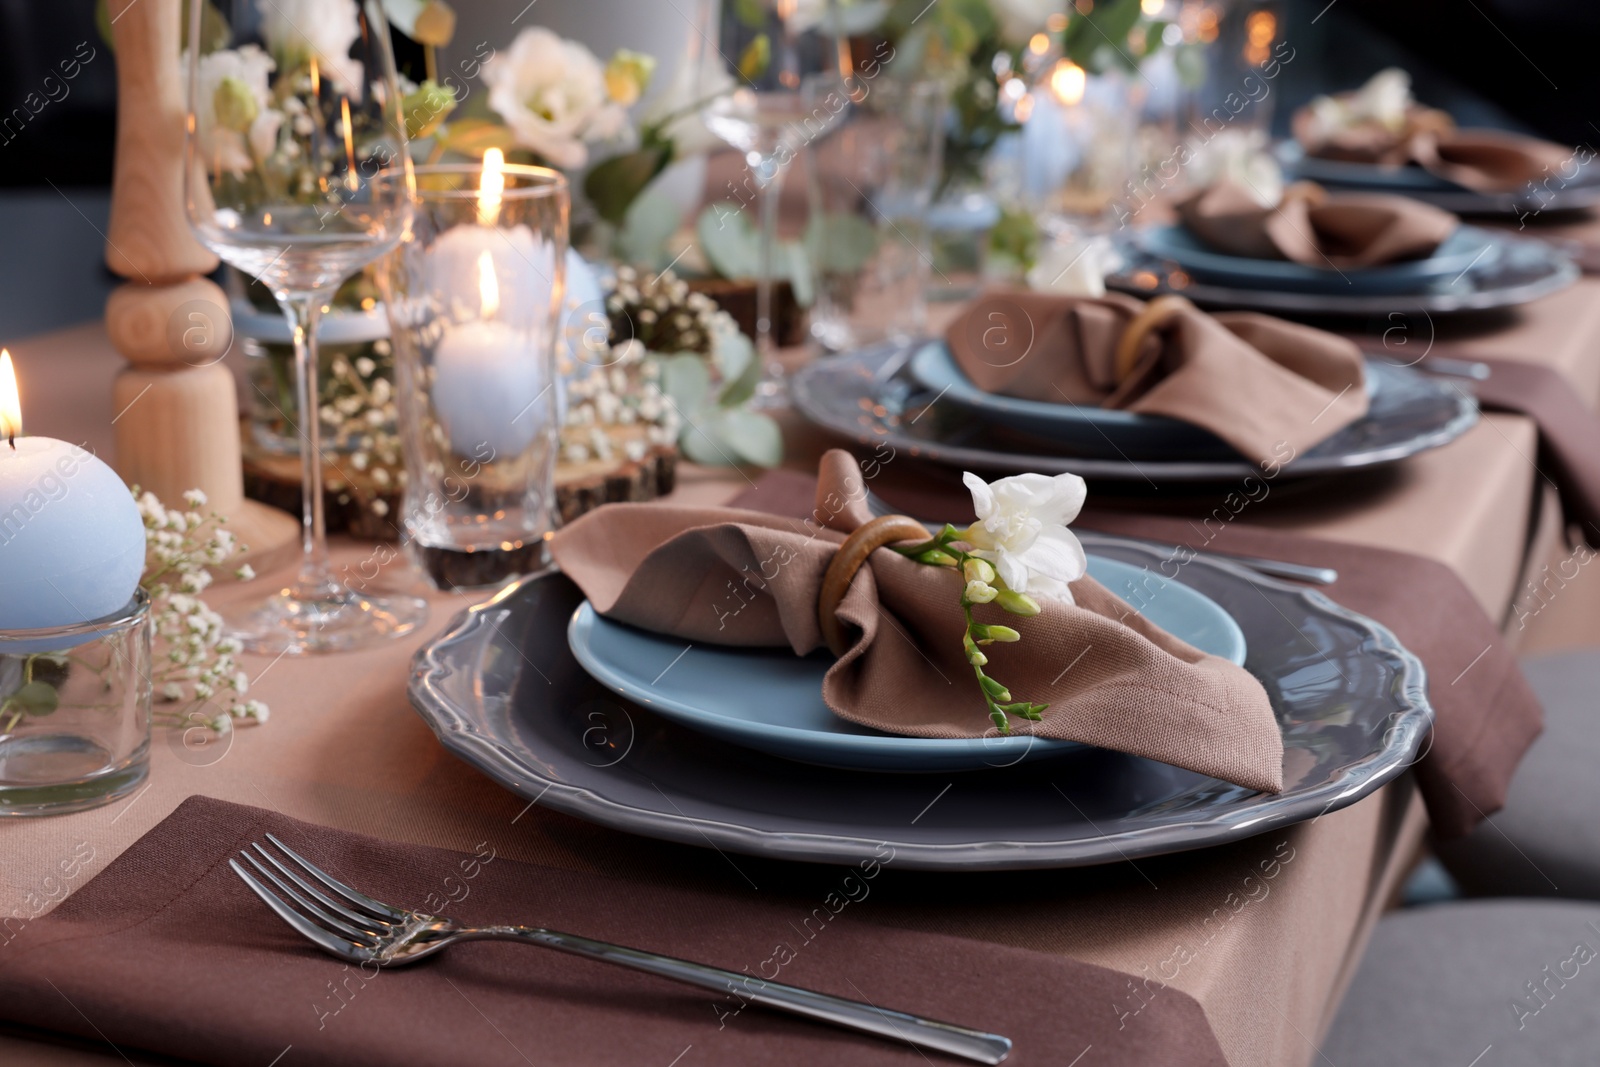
344,749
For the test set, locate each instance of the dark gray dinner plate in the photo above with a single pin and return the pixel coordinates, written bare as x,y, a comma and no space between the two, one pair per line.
1557,192
1521,271
501,690
873,397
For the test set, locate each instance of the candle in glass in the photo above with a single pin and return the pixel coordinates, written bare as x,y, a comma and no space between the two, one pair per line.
71,541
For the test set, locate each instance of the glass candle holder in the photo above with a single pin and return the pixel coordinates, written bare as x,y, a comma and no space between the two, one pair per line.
474,294
75,713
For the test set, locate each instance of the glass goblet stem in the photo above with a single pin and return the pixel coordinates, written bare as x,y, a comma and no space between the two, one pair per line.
304,311
768,191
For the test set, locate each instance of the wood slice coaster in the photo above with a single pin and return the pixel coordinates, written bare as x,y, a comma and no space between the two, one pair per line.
580,487
738,298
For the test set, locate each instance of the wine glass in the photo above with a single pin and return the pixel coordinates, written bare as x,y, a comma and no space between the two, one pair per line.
779,81
293,116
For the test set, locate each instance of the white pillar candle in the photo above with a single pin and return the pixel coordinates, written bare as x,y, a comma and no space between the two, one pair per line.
492,372
72,544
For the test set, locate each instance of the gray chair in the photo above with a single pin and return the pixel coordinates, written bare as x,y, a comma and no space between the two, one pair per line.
1546,841
1491,983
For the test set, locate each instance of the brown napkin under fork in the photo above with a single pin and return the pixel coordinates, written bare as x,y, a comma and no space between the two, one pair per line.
167,951
1271,389
1110,677
1315,228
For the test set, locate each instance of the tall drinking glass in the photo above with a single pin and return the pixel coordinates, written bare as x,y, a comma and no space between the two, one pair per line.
783,83
293,118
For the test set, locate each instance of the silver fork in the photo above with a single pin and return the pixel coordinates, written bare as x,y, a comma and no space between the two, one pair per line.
352,926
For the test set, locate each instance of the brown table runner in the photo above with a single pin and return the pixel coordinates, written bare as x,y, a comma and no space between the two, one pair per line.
166,950
1487,715
1569,431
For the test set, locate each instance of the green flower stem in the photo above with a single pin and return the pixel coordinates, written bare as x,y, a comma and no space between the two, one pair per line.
941,551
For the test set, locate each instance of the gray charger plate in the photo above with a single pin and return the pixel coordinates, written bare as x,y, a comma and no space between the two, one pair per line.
872,397
1465,247
1582,191
1522,272
501,690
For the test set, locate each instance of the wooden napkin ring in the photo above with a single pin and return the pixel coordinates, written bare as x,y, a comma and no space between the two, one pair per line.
848,558
1155,315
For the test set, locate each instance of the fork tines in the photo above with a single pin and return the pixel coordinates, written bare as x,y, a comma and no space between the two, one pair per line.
348,923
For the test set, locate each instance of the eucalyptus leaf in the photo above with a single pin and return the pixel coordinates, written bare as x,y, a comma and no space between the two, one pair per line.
840,243
730,436
1107,25
750,13
741,370
651,219
686,380
729,240
35,698
793,263
613,186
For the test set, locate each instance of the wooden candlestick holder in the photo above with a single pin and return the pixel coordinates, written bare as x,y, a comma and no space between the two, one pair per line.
178,427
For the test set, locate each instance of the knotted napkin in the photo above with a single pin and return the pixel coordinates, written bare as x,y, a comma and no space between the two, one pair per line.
1269,388
731,577
1313,228
1488,161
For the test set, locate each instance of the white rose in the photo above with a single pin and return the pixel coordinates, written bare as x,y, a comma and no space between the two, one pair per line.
297,30
552,95
224,149
1022,530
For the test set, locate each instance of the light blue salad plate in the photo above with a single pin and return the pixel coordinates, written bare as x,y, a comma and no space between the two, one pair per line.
771,700
1467,246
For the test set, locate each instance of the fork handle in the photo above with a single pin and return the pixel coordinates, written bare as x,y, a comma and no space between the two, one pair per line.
974,1045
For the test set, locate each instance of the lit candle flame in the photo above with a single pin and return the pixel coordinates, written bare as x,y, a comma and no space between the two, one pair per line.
316,78
352,180
1068,82
491,185
10,401
488,285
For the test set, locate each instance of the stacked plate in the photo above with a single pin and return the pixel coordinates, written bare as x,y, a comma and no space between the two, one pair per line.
733,748
914,399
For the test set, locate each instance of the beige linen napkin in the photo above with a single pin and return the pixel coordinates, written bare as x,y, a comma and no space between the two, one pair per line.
1314,228
1488,161
1111,678
1271,389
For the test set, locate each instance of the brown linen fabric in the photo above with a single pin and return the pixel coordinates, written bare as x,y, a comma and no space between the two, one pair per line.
1314,228
1261,384
167,951
1487,161
1486,713
1110,677
1569,431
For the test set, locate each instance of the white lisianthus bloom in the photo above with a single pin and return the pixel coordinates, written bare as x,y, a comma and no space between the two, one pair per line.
552,95
1022,530
297,30
237,73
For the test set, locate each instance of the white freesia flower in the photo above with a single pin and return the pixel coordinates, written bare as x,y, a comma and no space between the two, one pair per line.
552,95
299,30
1242,157
243,70
1022,530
